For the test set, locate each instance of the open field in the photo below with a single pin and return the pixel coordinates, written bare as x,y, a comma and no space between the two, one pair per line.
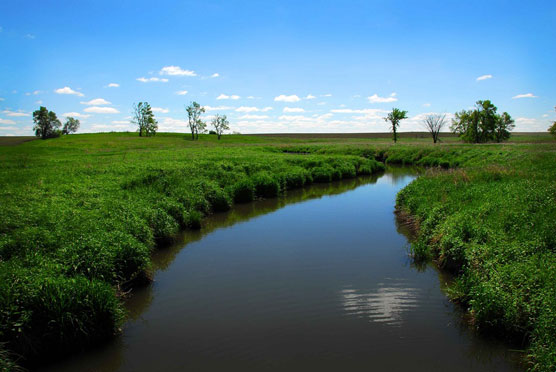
82,213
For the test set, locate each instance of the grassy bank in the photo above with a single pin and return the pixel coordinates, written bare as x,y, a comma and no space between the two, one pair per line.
494,225
81,215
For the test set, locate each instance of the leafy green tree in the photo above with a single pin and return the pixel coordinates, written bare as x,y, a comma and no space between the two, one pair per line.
482,124
143,117
552,128
194,111
504,125
71,125
394,118
46,123
220,124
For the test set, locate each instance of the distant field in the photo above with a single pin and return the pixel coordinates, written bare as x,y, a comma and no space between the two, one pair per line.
12,141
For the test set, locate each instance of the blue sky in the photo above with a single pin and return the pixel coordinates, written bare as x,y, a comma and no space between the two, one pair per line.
275,66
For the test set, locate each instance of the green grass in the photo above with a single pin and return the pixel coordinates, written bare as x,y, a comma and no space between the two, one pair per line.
82,214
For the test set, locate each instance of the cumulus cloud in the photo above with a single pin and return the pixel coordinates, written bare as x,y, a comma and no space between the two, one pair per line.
375,98
96,102
284,98
181,92
101,110
484,77
215,75
152,79
253,109
293,109
225,96
113,85
527,95
310,96
160,109
253,117
75,115
326,95
6,121
15,113
68,90
176,71
217,108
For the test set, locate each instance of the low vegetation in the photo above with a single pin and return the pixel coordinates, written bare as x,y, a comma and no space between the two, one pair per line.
81,215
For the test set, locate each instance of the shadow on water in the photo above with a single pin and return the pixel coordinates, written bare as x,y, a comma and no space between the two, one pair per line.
317,279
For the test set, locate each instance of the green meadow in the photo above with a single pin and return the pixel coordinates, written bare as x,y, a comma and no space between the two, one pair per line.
81,215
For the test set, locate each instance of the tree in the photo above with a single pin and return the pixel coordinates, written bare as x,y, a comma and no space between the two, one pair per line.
143,117
552,128
434,124
46,123
194,111
220,124
394,118
504,125
71,125
482,124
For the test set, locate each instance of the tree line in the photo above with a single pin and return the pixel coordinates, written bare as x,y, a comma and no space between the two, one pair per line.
47,124
478,125
147,125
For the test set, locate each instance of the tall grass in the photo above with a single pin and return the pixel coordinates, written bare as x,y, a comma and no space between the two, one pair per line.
82,214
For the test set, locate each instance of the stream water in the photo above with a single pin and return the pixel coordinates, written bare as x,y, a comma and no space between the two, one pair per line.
318,280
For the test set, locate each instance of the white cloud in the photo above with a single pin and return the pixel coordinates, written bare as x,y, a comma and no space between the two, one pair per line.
181,92
293,109
6,121
96,102
523,124
215,75
120,122
484,77
321,103
545,115
375,98
359,111
113,85
75,115
326,95
101,110
33,93
152,79
161,110
426,105
176,71
284,98
527,95
225,96
68,90
253,117
310,96
39,102
253,109
217,108
253,97
30,36
2,99
15,113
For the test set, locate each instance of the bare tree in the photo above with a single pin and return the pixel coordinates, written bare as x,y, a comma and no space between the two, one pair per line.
220,124
434,124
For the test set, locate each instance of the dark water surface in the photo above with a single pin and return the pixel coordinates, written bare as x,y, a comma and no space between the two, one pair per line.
319,280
